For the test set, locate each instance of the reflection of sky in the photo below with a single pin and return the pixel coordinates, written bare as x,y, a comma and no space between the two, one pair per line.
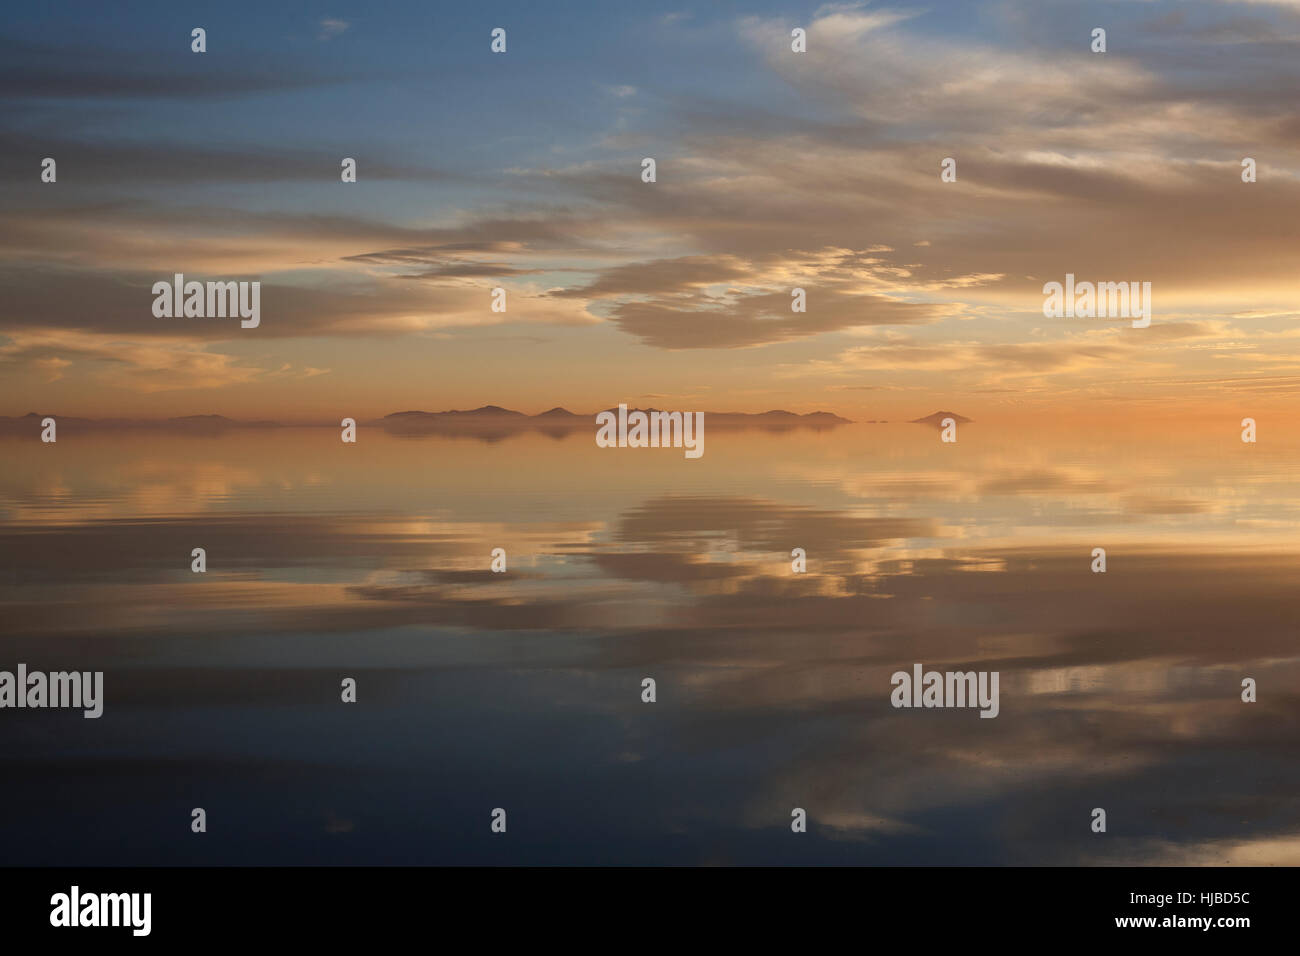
478,690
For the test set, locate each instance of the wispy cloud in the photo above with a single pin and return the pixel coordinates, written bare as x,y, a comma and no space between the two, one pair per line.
331,27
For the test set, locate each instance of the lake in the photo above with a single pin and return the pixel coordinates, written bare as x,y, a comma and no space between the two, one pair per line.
522,690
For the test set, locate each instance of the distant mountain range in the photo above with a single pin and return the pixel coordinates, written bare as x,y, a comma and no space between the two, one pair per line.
505,419
489,421
490,418
202,423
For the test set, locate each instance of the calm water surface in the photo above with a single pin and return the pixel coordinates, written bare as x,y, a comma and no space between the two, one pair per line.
522,690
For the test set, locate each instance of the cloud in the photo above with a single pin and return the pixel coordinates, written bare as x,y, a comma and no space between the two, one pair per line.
1009,358
740,320
330,28
821,173
87,164
1105,348
50,366
145,367
72,71
726,301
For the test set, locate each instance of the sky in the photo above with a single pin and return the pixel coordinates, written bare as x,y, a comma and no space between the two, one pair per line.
774,170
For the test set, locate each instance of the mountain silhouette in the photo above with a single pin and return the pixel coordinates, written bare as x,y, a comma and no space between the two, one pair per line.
493,421
938,417
488,421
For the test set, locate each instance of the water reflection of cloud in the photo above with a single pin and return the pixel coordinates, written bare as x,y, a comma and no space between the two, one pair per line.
1118,690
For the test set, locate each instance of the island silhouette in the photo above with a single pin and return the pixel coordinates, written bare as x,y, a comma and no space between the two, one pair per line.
487,421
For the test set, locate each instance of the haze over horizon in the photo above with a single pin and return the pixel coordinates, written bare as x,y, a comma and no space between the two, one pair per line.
775,170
